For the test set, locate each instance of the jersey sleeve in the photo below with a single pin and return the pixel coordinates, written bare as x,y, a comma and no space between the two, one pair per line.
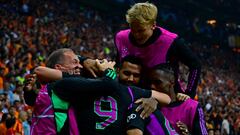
179,51
30,97
156,123
72,87
134,121
139,93
199,124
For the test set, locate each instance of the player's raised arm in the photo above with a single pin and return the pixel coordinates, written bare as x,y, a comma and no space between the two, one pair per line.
149,105
162,98
45,74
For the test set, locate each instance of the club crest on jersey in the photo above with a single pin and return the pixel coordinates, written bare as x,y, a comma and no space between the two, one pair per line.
131,117
125,51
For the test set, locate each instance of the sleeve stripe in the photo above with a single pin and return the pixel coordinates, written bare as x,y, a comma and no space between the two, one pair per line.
131,94
202,122
192,80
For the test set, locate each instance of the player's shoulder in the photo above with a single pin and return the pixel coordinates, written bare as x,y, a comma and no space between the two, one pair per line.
122,33
191,103
134,87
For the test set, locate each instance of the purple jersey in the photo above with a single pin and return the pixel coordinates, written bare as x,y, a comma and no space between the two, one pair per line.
188,112
151,55
156,124
43,115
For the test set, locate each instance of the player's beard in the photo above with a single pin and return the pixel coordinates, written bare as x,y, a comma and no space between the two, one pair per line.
128,83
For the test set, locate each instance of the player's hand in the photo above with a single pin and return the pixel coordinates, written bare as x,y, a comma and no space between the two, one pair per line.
104,64
183,128
91,66
182,97
148,106
30,82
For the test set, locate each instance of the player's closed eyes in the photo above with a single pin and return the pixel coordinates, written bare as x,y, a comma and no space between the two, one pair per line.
127,73
75,61
136,75
157,82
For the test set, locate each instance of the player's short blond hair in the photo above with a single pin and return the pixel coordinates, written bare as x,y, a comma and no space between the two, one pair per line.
144,13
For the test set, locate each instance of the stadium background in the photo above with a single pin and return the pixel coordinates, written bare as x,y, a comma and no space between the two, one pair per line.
30,30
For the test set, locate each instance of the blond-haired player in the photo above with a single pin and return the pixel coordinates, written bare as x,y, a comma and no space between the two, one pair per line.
155,45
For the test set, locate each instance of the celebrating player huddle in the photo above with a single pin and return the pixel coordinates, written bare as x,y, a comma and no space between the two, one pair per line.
142,95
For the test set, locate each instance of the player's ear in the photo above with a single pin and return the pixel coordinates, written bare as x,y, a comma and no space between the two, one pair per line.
58,66
118,71
154,25
172,79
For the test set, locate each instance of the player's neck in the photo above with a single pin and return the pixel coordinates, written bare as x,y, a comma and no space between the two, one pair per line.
173,95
